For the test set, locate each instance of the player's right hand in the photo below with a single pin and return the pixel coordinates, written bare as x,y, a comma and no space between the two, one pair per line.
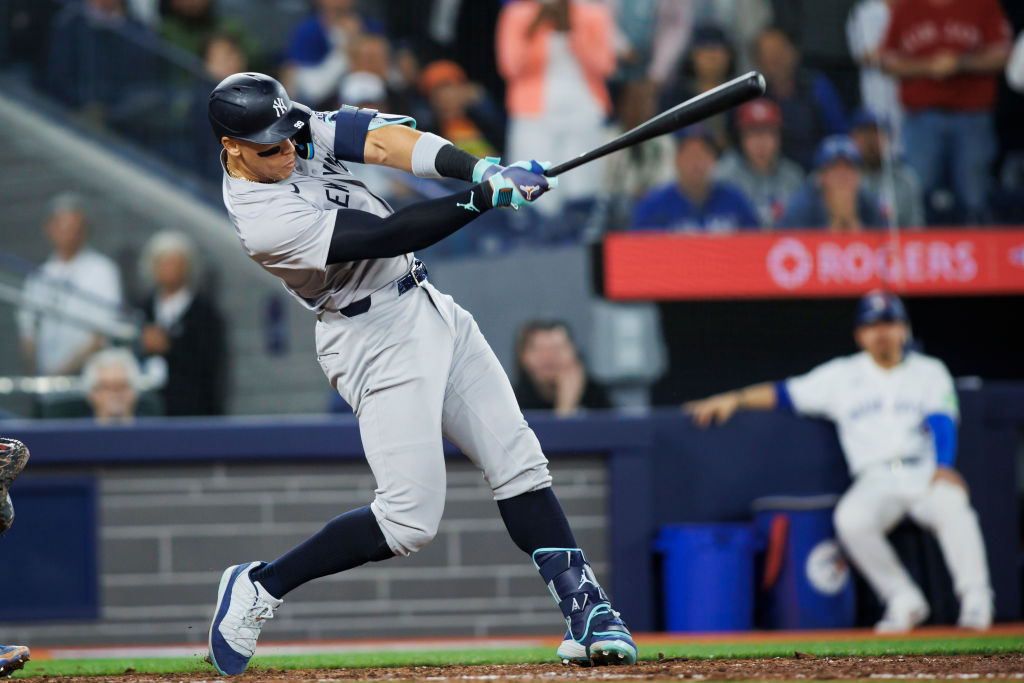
520,184
713,410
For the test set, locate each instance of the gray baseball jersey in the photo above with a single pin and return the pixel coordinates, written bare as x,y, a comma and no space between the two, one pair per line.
286,226
413,366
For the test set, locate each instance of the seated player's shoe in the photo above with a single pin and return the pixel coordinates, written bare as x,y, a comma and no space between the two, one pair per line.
243,605
976,610
903,613
13,456
595,632
12,658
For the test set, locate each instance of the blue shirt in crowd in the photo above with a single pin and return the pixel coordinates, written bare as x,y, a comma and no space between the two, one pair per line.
726,209
806,209
309,43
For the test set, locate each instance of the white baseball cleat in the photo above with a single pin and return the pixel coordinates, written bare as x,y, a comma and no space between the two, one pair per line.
903,613
243,605
976,610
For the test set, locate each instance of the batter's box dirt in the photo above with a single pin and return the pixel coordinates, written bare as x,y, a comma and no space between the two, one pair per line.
1002,667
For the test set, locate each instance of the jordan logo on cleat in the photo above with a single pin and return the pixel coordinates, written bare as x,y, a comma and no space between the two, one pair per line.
468,206
585,579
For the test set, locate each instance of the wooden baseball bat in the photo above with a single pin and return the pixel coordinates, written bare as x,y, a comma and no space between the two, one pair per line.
703,106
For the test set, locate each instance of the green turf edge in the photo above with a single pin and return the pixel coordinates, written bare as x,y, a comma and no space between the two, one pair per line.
649,650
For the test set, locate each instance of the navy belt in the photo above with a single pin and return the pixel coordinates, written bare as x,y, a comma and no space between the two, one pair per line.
416,277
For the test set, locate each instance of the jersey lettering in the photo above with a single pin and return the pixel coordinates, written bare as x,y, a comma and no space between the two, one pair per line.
337,194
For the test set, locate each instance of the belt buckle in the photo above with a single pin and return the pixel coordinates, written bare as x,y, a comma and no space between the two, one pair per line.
412,272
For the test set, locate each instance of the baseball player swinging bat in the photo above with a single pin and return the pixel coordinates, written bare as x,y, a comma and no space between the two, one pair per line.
410,361
715,101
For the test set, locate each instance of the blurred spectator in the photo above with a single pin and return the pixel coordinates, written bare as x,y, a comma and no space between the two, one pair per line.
190,24
651,37
884,175
555,56
111,380
810,106
743,20
708,65
631,173
696,201
1015,65
184,328
551,375
758,168
948,55
879,92
462,112
222,56
833,199
74,286
98,56
318,50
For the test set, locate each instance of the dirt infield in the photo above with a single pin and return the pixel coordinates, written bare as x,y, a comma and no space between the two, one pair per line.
798,667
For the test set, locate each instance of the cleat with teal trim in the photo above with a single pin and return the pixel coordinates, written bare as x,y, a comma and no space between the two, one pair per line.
595,634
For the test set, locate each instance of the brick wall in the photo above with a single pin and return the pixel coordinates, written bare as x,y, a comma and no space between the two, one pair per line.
168,532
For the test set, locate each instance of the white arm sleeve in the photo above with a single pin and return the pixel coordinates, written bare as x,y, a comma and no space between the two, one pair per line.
1015,67
941,396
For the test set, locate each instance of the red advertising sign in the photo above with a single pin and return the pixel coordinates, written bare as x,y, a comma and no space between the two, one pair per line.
806,264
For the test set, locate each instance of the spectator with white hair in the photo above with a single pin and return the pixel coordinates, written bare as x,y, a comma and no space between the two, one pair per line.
111,381
183,329
71,300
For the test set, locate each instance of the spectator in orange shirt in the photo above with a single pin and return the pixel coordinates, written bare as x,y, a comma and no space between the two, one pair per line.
948,55
461,110
555,56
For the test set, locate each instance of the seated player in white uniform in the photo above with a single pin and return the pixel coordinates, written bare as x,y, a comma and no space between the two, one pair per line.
410,361
895,412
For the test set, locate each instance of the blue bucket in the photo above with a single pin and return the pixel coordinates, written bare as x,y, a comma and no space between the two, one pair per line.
806,582
708,576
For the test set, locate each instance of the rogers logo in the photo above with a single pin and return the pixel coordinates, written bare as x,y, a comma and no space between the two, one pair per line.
790,264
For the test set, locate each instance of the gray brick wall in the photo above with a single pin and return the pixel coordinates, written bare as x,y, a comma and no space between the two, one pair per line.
168,532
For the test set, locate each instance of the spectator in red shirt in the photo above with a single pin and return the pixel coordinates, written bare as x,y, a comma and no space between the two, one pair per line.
947,55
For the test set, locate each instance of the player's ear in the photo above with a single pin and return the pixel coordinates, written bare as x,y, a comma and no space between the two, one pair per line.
231,145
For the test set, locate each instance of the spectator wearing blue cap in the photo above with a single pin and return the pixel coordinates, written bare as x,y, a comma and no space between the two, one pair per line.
695,202
895,412
884,174
833,199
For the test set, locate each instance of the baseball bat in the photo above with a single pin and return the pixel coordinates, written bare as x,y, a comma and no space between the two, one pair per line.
703,106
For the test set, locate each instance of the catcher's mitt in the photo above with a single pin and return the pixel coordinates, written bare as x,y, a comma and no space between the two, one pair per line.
13,456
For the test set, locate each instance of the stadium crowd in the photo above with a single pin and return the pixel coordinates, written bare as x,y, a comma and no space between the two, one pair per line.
892,123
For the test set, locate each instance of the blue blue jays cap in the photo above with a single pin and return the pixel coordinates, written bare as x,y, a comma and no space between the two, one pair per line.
878,307
836,147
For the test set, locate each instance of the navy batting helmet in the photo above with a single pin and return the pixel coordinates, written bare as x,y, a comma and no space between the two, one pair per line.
879,306
254,107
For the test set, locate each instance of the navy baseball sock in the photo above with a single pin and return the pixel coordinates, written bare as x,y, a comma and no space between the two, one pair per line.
346,541
535,520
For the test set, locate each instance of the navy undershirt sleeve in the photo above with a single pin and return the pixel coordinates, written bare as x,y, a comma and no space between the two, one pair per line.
359,235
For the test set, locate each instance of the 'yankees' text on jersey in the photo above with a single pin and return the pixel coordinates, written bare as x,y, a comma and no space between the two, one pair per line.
287,226
879,413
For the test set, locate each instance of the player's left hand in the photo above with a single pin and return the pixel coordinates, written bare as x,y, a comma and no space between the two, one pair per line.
943,473
520,184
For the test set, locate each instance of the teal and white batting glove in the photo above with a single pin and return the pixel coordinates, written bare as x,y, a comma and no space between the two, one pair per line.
520,184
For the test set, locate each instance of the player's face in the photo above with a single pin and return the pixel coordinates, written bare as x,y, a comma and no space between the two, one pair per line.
265,163
884,341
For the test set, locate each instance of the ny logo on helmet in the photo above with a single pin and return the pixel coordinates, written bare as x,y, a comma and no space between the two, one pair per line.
280,107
